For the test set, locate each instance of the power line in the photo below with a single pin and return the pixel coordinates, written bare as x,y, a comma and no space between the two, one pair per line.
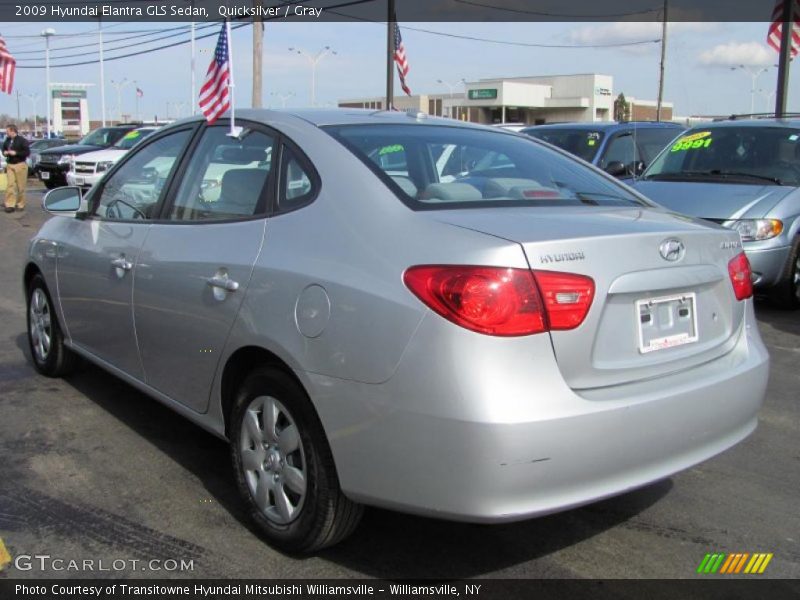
561,15
93,44
93,62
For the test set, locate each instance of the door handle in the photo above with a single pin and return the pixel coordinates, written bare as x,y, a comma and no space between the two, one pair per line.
223,282
122,263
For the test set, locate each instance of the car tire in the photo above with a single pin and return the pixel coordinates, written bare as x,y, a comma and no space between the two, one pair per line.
49,184
786,292
45,338
284,467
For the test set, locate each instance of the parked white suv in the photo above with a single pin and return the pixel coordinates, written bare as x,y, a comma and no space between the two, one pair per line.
87,169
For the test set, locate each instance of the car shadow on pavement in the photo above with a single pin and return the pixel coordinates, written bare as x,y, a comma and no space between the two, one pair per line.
782,319
387,545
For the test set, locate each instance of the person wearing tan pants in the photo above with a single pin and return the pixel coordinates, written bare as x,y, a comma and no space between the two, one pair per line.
16,150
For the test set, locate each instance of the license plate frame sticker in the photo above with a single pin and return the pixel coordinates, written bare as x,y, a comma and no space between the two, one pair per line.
45,175
666,322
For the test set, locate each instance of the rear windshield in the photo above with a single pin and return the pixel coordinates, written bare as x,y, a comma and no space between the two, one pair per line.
438,167
580,142
751,154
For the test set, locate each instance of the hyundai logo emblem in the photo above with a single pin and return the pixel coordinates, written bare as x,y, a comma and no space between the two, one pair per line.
672,249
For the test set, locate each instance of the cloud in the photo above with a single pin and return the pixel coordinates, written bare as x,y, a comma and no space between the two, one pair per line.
750,54
631,31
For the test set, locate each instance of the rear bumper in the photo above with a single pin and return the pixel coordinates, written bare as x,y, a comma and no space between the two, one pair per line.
530,447
767,265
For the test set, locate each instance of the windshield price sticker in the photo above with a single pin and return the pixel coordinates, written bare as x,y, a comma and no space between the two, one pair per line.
701,139
132,135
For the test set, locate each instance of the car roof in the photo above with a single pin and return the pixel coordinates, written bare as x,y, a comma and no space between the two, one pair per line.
607,125
749,123
345,116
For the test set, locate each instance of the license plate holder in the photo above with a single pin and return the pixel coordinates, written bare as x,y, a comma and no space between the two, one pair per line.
80,180
45,175
666,321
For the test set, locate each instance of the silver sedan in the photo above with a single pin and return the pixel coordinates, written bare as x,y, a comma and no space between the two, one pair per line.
386,309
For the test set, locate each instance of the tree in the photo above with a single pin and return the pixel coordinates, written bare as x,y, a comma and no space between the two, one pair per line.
622,109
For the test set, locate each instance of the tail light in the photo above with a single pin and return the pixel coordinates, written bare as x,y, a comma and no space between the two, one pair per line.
502,301
741,276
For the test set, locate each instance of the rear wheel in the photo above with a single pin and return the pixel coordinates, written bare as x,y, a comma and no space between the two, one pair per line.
50,356
284,467
787,292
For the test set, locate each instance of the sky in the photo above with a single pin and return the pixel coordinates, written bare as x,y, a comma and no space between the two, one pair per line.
699,78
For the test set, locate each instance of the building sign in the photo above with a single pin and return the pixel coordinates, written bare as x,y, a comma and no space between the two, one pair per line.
601,91
484,94
69,94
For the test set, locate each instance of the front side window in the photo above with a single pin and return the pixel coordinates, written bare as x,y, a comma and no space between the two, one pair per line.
620,150
447,167
133,191
226,177
734,154
652,140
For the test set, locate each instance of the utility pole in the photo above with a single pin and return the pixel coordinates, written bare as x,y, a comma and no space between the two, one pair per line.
193,100
34,98
102,76
19,112
785,58
390,22
258,55
661,66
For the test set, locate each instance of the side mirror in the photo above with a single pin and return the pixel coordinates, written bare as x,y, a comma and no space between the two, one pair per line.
616,168
638,168
64,200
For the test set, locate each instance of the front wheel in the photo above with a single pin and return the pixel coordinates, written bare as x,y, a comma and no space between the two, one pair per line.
50,184
284,466
787,292
50,356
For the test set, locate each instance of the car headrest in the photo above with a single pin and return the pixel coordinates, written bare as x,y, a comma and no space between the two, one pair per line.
500,187
242,186
454,192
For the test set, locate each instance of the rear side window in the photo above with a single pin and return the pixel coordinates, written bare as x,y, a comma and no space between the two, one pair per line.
441,167
297,182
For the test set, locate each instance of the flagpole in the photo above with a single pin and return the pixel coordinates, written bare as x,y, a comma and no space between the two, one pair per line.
785,58
231,84
390,21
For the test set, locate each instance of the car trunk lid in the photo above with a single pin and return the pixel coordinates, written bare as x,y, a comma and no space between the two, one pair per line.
650,316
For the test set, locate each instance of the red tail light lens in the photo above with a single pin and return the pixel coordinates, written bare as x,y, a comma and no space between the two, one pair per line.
502,301
741,276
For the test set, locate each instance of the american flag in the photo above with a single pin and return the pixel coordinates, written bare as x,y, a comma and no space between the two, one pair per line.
214,95
8,65
776,27
400,59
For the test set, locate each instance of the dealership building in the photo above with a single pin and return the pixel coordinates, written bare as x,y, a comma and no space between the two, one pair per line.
532,100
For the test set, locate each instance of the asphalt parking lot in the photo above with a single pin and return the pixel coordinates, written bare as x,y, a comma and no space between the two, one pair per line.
93,469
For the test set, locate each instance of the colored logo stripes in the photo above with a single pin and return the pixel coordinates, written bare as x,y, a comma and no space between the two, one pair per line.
738,562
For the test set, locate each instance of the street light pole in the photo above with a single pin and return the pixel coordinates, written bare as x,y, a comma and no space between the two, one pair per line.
754,75
314,60
47,33
451,87
282,97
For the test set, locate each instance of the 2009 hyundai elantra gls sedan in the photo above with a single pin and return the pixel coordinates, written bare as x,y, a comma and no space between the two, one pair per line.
385,309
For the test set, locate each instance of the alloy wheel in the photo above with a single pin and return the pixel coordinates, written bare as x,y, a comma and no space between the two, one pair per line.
40,324
273,459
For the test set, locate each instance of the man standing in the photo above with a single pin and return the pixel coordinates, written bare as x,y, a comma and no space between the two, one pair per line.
16,150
